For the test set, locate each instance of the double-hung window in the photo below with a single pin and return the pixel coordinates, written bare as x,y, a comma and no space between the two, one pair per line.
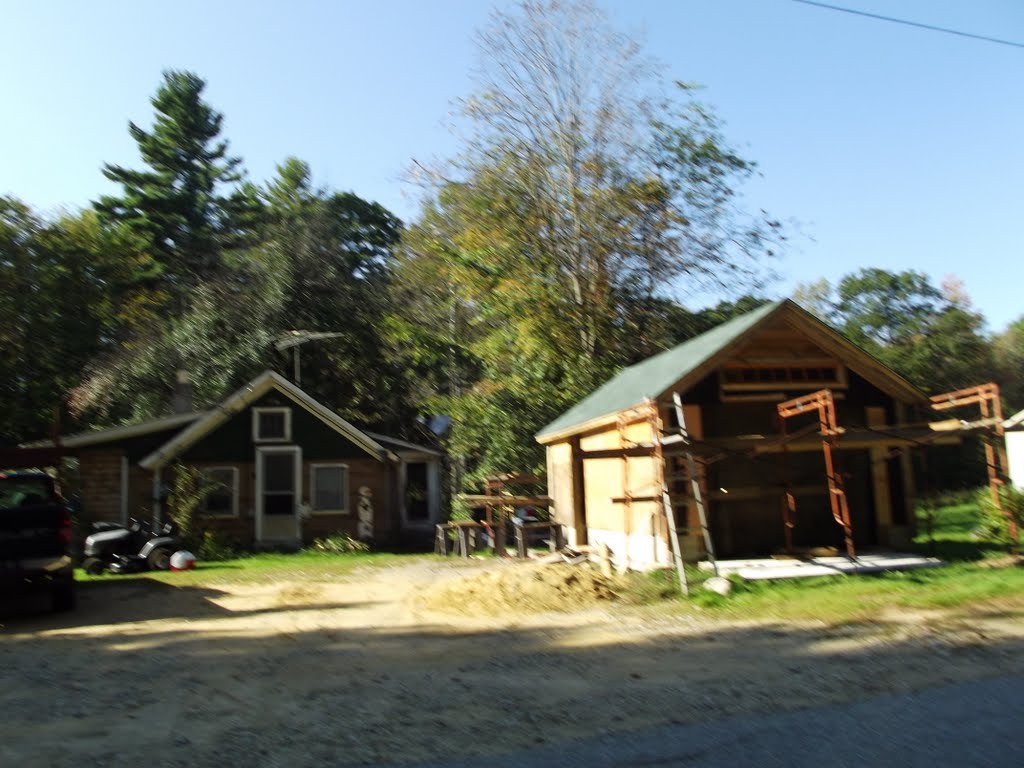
221,486
328,488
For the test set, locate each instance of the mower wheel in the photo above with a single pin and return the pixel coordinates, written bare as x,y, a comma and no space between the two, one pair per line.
159,559
93,566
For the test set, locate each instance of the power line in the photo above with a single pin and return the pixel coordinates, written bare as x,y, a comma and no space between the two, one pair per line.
912,23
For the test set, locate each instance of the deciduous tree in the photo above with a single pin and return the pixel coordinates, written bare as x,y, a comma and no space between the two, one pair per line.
1008,349
934,339
585,198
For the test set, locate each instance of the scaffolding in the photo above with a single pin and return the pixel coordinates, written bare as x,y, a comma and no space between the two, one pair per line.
823,403
986,397
681,459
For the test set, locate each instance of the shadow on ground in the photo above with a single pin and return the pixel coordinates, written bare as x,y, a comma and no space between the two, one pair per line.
146,668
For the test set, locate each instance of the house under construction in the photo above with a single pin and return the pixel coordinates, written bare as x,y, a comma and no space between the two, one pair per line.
771,432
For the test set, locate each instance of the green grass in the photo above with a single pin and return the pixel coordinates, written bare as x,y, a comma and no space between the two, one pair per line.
973,578
265,568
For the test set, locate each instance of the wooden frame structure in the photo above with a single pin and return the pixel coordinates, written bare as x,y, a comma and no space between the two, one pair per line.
619,459
498,509
663,445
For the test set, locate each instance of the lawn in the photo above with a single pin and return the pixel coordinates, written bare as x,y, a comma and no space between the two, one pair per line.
978,575
265,568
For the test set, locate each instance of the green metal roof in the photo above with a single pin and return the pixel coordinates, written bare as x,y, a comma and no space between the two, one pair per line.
653,376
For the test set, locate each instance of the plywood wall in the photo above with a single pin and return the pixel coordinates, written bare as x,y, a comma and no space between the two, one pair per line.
559,456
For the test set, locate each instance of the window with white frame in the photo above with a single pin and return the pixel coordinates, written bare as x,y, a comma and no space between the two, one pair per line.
271,425
328,488
221,486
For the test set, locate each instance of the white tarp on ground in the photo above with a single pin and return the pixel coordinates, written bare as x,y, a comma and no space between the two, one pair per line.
772,568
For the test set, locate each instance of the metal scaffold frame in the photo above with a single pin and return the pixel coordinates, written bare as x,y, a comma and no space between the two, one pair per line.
667,442
986,397
822,402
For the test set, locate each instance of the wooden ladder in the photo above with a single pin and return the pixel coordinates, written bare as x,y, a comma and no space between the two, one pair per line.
689,473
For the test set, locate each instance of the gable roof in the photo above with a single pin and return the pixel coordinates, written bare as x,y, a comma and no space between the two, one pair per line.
683,364
242,399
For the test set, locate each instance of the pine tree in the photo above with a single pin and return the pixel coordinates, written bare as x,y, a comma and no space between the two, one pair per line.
177,206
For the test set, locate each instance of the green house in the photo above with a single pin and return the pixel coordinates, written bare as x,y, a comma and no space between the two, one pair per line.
284,469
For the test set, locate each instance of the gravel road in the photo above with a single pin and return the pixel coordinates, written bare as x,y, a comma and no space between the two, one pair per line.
368,671
968,725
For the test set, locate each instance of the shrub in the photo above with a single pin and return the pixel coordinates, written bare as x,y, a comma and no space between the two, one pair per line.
187,492
461,511
214,548
994,522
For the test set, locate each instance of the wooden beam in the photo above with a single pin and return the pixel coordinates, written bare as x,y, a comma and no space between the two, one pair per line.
505,501
617,453
579,491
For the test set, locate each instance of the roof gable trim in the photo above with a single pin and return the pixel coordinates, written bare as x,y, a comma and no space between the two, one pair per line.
695,358
242,399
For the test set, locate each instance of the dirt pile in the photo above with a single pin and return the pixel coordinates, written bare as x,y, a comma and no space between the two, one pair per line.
522,588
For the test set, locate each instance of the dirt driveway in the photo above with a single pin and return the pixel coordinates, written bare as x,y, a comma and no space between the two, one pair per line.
368,671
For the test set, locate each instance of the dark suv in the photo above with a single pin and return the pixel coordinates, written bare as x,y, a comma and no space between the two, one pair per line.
35,539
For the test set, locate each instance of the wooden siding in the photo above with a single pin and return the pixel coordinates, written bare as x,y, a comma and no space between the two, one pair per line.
560,487
379,477
100,483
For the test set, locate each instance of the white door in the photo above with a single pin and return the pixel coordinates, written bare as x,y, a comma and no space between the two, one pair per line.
278,493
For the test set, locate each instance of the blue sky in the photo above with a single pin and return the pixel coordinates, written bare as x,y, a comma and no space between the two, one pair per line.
893,147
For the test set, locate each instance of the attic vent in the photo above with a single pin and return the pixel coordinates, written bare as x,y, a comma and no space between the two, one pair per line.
739,378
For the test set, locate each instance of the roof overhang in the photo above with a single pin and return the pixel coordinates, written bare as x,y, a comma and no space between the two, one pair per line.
242,399
583,428
23,458
849,354
114,434
402,447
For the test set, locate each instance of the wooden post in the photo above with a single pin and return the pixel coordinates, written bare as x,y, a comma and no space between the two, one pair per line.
557,537
880,479
579,492
627,494
499,533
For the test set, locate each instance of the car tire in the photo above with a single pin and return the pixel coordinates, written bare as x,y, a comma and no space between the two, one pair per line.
159,559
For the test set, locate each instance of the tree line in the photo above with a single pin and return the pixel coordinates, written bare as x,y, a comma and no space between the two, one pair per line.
590,198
